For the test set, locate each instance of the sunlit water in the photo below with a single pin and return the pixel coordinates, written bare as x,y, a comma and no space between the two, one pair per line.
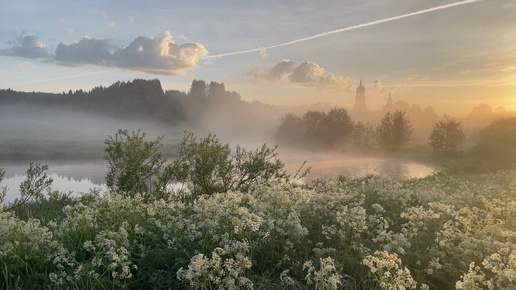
333,166
82,176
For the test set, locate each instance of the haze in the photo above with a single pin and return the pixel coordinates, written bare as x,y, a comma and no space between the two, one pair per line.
452,55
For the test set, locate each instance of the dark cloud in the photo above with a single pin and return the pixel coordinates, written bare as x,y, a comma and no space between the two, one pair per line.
152,55
28,47
86,51
281,70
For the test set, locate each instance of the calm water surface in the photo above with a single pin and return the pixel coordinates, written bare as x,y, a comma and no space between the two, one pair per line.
82,176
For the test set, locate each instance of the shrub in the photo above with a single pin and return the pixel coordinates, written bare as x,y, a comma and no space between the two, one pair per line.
446,135
495,147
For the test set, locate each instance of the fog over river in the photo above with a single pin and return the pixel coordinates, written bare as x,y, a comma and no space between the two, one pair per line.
81,176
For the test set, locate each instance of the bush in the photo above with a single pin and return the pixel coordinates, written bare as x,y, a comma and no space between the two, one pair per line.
203,166
394,131
206,166
447,135
132,162
495,147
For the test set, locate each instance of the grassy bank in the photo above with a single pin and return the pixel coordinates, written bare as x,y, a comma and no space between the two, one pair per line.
442,232
64,149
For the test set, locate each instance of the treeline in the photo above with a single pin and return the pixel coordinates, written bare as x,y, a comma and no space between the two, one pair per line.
336,130
490,149
143,99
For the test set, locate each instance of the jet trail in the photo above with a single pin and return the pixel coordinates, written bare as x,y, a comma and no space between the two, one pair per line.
446,6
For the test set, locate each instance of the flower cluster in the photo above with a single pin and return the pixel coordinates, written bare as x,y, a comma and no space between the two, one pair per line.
442,232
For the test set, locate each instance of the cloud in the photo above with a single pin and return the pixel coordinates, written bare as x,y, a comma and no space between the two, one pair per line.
86,51
111,25
23,64
384,88
416,78
159,56
308,74
147,54
263,52
69,31
28,47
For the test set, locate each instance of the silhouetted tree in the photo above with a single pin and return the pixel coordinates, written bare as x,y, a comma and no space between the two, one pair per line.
338,127
362,135
394,131
290,130
495,148
447,134
315,128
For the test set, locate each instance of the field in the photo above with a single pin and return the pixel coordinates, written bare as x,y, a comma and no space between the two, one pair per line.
446,231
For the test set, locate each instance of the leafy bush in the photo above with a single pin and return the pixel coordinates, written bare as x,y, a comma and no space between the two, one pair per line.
495,147
394,131
132,162
204,166
446,135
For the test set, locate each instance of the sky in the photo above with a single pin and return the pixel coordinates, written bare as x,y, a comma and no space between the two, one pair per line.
451,55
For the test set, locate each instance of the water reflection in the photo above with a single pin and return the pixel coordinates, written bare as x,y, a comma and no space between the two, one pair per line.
333,166
65,184
69,176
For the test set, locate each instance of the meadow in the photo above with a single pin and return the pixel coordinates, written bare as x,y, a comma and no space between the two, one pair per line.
445,231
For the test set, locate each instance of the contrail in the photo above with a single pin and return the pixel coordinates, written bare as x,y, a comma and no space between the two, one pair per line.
446,6
74,76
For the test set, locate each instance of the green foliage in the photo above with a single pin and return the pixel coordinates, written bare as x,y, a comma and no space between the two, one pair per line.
3,190
290,130
362,135
207,166
394,131
316,129
132,162
495,147
441,232
204,166
447,135
31,189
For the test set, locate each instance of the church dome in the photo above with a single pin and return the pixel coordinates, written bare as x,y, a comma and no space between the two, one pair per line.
360,89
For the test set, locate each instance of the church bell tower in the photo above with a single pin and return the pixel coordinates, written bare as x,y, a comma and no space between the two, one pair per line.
360,104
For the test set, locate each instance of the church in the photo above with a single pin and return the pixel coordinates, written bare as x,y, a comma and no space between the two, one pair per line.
360,111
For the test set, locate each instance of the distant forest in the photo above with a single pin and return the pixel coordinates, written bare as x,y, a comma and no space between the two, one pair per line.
137,99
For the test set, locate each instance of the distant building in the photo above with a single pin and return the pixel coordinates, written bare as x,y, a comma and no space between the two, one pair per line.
389,106
360,104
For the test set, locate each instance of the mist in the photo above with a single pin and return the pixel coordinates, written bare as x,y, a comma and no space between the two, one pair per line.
334,141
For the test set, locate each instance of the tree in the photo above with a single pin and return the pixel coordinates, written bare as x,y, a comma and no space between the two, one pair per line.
362,135
447,135
31,189
394,131
132,162
339,126
290,130
206,166
495,146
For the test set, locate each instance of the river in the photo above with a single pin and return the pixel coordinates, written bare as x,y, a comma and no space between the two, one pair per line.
82,176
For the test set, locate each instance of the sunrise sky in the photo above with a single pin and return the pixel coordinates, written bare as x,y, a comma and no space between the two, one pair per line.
452,55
